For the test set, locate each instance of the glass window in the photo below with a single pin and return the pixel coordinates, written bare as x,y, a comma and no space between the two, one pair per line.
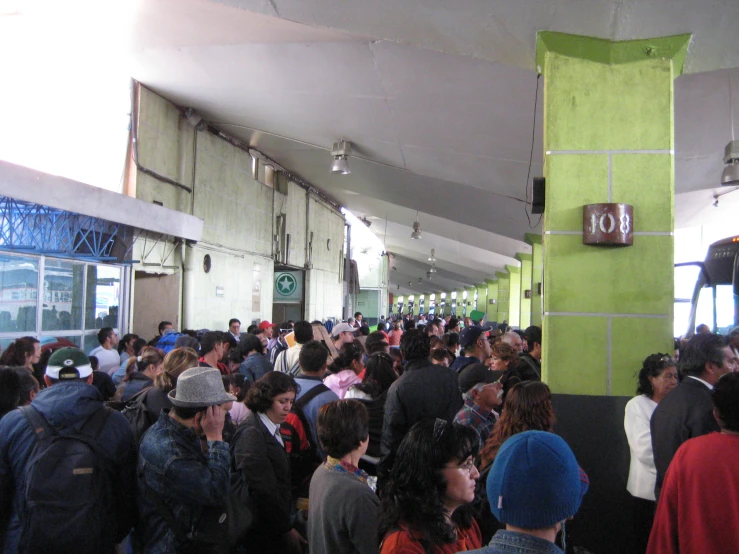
103,296
90,342
18,293
62,309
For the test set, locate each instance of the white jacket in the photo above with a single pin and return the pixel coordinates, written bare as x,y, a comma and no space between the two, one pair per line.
642,473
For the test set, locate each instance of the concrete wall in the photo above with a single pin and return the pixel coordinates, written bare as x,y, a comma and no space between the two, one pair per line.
240,216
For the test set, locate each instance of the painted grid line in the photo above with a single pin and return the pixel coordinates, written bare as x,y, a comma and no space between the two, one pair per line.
571,152
601,314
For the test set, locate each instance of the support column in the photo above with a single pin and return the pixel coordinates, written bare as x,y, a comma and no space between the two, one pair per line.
491,309
525,303
482,297
608,137
504,291
536,277
514,295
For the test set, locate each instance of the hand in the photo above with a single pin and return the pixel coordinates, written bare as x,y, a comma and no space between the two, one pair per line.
295,541
212,423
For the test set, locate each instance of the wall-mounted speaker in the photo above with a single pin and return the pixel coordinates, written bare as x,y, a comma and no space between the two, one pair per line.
537,200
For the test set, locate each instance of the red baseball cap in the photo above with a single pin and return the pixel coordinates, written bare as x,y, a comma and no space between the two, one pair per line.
265,324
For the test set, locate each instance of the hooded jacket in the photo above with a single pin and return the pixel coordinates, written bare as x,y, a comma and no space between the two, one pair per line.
65,404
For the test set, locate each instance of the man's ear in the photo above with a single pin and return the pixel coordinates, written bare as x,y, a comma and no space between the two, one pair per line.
89,379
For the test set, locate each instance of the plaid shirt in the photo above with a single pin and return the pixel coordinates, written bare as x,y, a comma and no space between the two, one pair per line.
480,419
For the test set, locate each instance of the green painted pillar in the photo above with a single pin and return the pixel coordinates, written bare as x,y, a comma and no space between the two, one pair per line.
608,137
460,303
536,277
525,285
482,297
504,290
491,309
514,295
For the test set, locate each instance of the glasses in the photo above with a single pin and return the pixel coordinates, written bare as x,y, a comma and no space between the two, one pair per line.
468,466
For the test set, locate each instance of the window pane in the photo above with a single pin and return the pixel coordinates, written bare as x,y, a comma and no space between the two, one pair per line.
103,296
59,341
90,343
18,293
62,308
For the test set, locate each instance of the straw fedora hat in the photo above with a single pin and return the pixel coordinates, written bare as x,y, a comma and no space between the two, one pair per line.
199,387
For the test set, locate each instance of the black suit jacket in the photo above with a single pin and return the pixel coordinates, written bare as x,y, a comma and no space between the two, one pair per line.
266,469
685,413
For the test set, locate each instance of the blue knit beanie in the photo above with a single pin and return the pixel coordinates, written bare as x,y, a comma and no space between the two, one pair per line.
535,481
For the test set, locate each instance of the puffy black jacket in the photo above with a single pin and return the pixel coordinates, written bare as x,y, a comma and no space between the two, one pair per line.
423,391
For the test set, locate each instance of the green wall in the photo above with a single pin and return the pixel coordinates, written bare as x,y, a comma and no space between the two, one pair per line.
492,309
536,277
504,291
608,131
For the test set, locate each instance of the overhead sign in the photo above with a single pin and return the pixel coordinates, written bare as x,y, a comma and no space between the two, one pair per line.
288,286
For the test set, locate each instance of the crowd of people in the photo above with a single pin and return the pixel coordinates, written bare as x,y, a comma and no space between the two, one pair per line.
428,435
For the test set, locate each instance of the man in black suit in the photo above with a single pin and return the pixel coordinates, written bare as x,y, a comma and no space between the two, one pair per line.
687,411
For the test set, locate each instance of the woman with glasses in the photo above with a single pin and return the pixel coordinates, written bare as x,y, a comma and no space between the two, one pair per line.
426,502
657,377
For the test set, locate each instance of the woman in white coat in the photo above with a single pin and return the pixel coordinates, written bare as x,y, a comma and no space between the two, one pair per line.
657,377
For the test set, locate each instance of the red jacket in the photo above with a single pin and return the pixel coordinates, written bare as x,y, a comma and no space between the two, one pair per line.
697,510
406,542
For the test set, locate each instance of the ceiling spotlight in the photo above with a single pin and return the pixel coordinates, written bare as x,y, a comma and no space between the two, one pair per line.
429,275
416,234
432,257
730,174
341,152
432,269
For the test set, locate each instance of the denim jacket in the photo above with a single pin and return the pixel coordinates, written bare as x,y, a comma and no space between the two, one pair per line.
511,542
172,466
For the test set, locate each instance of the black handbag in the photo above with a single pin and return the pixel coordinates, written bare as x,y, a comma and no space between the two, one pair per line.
217,531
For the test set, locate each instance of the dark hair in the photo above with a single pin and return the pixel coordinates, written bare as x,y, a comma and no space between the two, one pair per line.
700,350
356,314
364,329
235,356
94,362
10,389
527,407
187,341
250,343
653,366
262,393
251,329
415,345
409,325
162,325
532,334
440,355
342,425
209,341
17,351
376,342
726,401
435,343
313,356
453,322
138,346
229,339
414,494
379,375
104,333
27,383
451,340
303,332
349,352
123,343
505,352
232,321
238,380
187,413
149,356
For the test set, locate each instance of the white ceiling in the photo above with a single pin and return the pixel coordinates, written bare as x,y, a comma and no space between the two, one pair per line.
437,98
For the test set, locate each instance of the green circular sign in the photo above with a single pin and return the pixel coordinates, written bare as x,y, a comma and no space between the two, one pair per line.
285,284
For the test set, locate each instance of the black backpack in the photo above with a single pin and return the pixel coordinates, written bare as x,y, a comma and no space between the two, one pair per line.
299,444
139,417
67,501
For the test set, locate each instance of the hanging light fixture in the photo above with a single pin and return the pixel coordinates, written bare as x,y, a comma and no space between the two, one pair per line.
416,234
432,269
341,152
432,257
730,174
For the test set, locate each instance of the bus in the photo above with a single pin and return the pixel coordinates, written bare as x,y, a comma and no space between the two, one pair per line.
715,293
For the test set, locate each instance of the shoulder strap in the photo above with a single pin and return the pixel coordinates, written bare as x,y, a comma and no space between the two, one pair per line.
531,364
39,425
310,395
